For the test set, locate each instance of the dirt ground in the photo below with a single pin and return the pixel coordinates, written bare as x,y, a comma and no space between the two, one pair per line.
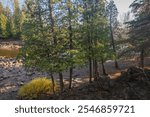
81,75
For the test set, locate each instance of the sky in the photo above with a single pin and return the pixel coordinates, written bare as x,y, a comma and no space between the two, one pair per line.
123,5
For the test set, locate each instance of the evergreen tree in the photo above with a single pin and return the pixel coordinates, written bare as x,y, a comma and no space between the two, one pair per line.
112,16
9,23
70,24
139,28
94,34
60,35
45,44
3,22
17,15
11,20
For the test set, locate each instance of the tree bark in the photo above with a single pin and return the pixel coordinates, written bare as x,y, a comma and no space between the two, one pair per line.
113,42
70,79
89,43
52,20
103,68
116,64
71,43
90,70
61,82
142,58
53,82
95,66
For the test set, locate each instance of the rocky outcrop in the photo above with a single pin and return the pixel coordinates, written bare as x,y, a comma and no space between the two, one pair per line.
132,84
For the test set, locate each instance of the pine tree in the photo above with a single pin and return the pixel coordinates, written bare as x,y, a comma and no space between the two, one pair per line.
45,43
17,15
11,20
112,16
3,22
61,35
9,23
94,34
139,28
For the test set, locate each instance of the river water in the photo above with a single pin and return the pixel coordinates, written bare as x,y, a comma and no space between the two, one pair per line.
9,53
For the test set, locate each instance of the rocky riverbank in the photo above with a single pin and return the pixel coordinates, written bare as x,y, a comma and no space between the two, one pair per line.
13,75
9,45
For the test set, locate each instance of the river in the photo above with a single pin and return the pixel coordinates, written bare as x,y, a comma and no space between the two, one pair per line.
9,53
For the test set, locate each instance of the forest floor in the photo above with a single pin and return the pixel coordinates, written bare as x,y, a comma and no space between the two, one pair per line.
13,75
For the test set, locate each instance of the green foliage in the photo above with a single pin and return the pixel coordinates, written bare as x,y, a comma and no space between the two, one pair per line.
104,52
60,35
3,23
40,50
94,31
37,89
11,21
139,27
17,20
44,56
112,13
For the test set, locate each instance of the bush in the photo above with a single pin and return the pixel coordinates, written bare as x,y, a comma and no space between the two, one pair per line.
37,89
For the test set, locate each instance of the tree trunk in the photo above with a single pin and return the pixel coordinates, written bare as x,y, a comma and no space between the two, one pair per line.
90,70
113,43
52,20
70,79
103,68
89,44
52,24
53,82
95,68
116,64
71,43
61,82
142,58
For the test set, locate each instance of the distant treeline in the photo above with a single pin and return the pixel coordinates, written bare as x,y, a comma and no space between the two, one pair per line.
11,21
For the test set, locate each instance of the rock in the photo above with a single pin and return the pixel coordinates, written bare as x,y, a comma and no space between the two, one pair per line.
29,73
15,89
5,74
1,78
132,84
103,82
20,83
112,82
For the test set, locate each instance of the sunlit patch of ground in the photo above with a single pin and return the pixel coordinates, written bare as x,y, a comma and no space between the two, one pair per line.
6,88
147,68
76,82
115,75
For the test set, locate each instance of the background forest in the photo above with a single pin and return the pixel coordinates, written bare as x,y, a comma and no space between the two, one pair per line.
64,35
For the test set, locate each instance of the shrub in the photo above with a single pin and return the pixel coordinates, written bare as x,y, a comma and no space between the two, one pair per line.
37,89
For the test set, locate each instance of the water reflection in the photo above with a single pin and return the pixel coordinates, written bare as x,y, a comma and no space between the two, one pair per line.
8,53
